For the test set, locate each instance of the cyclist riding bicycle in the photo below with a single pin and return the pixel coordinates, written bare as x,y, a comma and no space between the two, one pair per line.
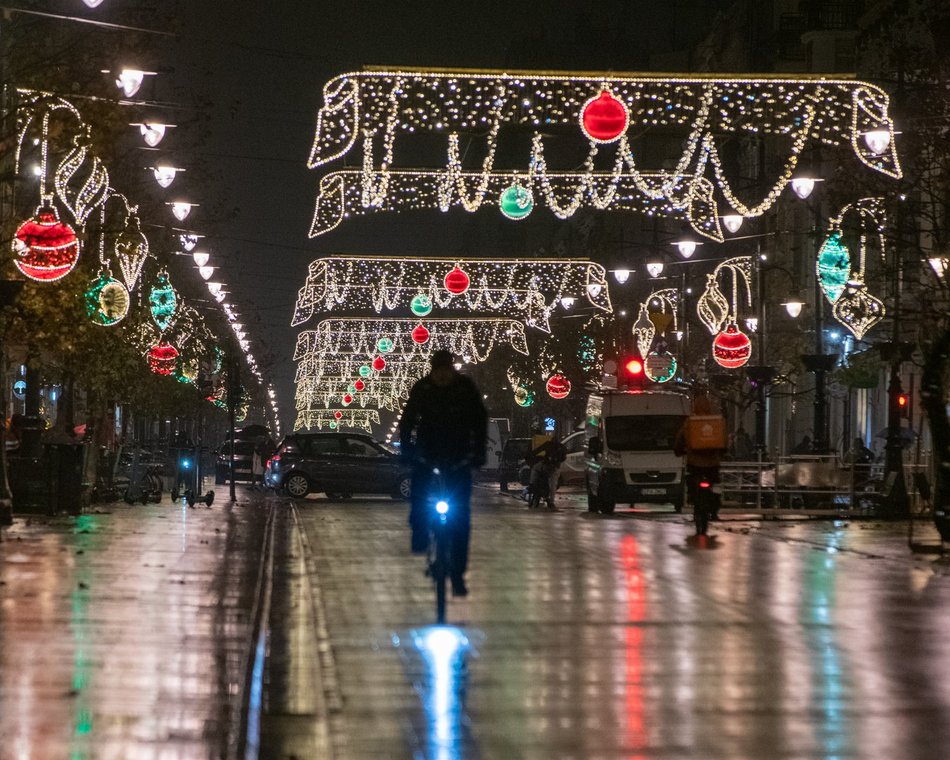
444,425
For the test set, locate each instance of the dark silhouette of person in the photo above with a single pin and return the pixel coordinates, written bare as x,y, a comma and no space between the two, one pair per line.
444,425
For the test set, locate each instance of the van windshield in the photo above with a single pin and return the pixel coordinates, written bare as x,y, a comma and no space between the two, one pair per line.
642,432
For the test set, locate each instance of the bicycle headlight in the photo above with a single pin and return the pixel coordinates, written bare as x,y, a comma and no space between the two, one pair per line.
186,463
442,507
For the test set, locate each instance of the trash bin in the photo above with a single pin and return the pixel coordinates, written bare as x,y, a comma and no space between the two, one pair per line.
64,470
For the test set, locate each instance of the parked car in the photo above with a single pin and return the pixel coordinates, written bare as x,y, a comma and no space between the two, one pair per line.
574,467
337,464
511,461
243,461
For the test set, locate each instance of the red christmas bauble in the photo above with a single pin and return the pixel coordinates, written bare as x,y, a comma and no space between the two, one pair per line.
732,347
379,364
457,281
347,399
162,358
558,386
338,415
420,334
604,118
46,248
359,385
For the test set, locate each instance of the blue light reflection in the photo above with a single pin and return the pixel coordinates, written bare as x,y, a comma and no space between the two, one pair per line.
443,649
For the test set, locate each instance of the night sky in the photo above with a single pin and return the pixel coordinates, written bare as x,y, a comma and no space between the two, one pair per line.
262,67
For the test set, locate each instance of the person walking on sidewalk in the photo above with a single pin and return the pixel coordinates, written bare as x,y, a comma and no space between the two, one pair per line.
445,425
546,461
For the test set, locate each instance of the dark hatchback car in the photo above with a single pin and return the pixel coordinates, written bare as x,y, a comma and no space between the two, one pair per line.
511,461
337,464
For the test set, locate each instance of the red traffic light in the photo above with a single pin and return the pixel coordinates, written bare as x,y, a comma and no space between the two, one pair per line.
902,400
633,367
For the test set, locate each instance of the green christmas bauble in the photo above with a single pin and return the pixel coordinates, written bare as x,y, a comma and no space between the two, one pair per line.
107,300
385,345
366,371
834,266
333,425
660,366
421,305
516,201
163,302
524,397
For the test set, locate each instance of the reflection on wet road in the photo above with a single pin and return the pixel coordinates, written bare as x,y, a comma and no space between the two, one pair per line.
587,637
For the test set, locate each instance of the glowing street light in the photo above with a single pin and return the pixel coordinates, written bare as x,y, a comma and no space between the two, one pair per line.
733,222
188,241
802,186
621,275
93,3
567,301
129,81
206,272
794,306
181,209
654,267
165,175
153,132
877,140
686,248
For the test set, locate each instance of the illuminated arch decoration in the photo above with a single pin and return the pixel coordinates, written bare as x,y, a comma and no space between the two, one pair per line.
373,107
690,199
360,419
530,289
475,337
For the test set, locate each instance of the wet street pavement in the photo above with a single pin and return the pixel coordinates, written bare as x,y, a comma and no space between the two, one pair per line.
124,632
625,637
130,633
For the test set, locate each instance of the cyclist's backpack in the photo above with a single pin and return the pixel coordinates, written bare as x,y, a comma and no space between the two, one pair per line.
706,432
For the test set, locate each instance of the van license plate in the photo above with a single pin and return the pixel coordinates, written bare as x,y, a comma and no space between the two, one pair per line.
653,491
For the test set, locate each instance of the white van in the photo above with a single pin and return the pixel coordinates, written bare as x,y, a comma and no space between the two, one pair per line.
630,457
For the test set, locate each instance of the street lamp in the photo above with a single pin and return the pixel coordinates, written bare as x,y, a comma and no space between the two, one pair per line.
793,305
877,140
201,258
654,267
803,185
165,175
939,264
93,3
686,247
181,209
621,275
732,222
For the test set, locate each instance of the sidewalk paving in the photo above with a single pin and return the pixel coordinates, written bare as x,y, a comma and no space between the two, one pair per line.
124,632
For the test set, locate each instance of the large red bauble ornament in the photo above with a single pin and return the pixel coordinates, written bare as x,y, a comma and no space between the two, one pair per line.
359,385
162,358
420,334
46,248
338,415
558,386
732,347
457,281
604,118
379,364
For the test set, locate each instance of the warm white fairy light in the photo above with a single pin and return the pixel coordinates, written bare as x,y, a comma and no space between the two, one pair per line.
362,419
528,288
373,107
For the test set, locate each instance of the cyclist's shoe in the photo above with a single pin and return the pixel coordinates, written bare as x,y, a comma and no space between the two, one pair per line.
458,587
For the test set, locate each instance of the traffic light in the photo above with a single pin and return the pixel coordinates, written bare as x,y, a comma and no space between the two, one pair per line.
903,404
633,374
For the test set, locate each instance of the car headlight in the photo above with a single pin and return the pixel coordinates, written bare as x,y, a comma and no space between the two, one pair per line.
612,459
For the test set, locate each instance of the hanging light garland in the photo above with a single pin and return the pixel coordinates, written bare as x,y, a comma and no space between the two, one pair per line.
361,419
530,288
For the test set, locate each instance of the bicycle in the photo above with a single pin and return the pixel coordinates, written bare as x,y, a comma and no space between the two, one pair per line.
440,508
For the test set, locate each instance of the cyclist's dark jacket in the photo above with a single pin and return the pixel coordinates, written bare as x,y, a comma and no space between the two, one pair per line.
450,421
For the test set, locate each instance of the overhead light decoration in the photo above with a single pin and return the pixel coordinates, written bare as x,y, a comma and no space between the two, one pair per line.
420,334
372,108
803,186
939,264
385,345
567,302
215,288
713,308
732,222
152,133
93,3
686,248
165,175
81,179
358,419
421,305
660,366
163,358
188,242
181,209
877,140
644,331
654,267
524,397
856,308
129,81
793,306
201,258
206,272
528,288
833,266
621,275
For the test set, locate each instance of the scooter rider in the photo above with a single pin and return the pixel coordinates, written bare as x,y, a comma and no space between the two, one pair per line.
445,425
701,463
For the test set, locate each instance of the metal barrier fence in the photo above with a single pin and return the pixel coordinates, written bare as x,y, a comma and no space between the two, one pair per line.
813,484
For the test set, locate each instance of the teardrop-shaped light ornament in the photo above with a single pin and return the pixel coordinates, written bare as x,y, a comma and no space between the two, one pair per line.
833,266
857,309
